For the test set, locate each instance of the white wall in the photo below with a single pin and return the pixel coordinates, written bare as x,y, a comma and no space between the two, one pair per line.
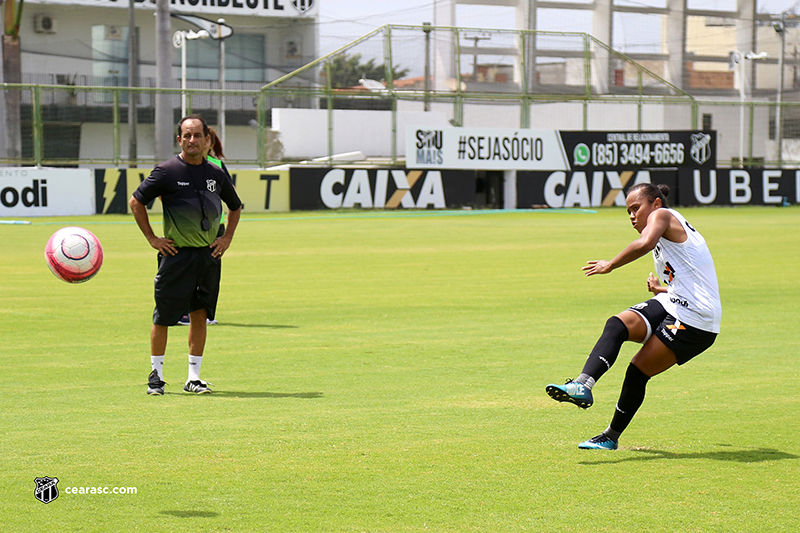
304,132
97,142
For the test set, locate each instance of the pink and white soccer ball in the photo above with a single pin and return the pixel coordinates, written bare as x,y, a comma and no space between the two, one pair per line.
74,254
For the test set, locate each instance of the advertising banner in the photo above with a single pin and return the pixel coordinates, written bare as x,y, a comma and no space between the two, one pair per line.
38,192
590,188
632,150
485,149
526,149
751,186
338,188
259,190
258,8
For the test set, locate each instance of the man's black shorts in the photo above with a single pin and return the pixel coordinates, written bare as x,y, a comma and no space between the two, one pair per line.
685,341
186,280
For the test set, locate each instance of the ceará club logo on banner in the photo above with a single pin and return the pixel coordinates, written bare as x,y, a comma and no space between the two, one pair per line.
429,145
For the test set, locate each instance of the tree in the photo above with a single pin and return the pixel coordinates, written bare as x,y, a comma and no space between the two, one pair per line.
346,70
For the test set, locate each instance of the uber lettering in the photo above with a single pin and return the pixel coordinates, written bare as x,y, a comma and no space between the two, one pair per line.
739,187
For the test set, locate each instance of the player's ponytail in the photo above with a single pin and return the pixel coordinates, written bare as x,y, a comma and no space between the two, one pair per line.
216,143
651,192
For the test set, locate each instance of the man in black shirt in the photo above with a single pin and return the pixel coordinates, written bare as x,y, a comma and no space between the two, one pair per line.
192,192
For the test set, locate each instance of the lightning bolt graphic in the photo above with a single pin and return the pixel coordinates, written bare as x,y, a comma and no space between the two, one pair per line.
111,179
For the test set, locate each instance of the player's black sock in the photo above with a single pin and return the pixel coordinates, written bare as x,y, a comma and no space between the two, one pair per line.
605,352
630,399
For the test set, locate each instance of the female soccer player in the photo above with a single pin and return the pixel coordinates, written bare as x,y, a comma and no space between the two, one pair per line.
680,322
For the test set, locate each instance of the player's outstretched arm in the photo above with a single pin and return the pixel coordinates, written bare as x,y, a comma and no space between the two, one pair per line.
657,223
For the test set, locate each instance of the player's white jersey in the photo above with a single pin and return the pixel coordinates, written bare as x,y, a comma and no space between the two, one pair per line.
688,271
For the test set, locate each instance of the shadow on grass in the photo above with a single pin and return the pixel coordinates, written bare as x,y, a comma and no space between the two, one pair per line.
241,394
266,326
756,455
235,394
190,514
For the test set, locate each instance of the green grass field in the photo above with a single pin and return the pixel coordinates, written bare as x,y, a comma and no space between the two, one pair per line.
385,372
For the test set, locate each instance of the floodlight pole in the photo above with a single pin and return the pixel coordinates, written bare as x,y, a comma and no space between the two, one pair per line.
739,58
778,126
179,39
220,22
426,27
132,82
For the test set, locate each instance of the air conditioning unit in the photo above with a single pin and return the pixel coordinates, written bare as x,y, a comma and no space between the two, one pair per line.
113,33
44,23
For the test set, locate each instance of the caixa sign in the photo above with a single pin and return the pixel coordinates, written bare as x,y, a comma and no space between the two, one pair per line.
339,188
591,188
31,192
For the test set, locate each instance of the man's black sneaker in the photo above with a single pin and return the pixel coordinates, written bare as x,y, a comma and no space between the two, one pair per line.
155,387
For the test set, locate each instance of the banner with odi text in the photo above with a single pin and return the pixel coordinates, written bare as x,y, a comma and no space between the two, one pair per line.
36,192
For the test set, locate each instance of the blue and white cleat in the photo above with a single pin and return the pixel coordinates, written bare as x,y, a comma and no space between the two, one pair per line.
572,392
600,442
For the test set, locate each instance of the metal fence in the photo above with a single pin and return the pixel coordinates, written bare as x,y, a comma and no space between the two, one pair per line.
475,77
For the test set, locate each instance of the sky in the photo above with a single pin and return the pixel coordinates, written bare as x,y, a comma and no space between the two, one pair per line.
342,21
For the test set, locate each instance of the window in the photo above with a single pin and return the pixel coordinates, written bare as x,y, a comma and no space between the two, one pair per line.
244,58
110,54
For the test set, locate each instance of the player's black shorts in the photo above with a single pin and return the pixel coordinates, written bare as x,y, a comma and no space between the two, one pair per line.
188,280
685,341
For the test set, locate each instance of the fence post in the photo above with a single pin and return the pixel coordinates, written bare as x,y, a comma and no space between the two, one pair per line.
116,126
587,68
458,101
585,114
525,109
261,141
639,103
38,130
329,90
750,126
389,68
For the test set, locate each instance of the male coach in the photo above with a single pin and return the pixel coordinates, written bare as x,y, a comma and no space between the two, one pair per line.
189,254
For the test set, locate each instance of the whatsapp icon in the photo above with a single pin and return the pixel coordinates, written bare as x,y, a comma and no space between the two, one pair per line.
581,154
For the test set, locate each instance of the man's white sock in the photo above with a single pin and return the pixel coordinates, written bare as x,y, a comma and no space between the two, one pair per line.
157,364
194,367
